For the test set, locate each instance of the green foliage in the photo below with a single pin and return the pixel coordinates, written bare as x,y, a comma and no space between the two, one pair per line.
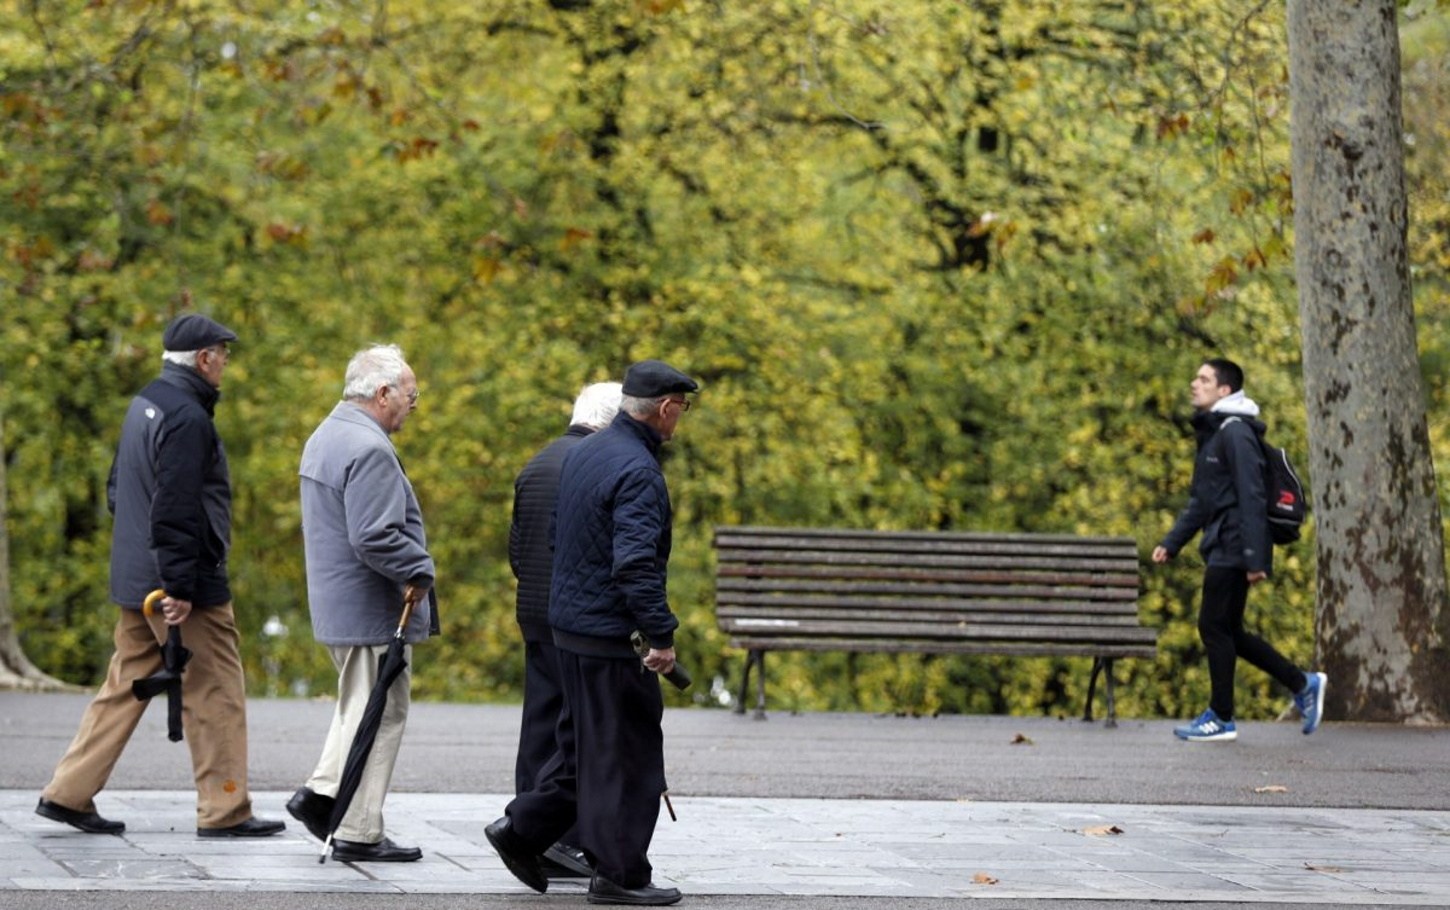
938,266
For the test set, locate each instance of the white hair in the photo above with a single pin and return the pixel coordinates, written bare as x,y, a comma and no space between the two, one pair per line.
635,406
597,404
181,358
378,365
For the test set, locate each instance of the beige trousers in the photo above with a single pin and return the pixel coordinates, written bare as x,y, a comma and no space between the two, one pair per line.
213,716
357,673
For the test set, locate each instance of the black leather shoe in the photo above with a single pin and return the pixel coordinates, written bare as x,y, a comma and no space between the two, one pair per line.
565,861
313,810
384,851
252,827
89,822
604,891
515,855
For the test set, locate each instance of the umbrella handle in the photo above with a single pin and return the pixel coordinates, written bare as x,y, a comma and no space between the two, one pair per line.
148,607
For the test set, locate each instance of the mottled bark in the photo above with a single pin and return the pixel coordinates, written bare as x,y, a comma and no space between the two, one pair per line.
1381,612
16,670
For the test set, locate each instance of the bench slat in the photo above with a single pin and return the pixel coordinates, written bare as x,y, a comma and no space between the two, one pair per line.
961,631
737,560
966,592
788,602
945,618
785,642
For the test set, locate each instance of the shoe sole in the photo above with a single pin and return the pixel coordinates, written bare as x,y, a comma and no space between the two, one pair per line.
626,902
346,858
1318,705
1226,737
225,832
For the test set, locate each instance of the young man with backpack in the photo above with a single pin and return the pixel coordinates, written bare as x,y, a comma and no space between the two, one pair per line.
1228,502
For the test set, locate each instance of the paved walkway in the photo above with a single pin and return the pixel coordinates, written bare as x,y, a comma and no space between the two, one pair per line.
742,846
842,809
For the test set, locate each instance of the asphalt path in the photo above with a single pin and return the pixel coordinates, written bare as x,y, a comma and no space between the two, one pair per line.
456,748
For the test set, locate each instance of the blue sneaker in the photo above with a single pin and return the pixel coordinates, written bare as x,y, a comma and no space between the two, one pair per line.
1207,729
1310,702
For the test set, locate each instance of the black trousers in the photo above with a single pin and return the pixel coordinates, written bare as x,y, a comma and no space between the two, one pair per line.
1225,640
543,702
608,773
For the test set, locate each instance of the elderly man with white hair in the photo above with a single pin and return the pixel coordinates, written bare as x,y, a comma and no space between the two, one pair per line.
531,556
362,532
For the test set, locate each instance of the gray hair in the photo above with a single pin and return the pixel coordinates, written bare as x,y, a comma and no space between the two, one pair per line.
597,404
378,365
180,358
640,407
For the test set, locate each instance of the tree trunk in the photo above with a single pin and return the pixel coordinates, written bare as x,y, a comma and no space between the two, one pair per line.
16,670
1381,615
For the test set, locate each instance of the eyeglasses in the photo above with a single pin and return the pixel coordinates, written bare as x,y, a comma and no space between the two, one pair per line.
220,350
412,396
684,403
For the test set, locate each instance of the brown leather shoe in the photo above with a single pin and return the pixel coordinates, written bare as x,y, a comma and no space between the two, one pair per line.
89,822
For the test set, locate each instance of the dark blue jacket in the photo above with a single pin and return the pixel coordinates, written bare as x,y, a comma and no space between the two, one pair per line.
1226,499
171,495
612,543
531,548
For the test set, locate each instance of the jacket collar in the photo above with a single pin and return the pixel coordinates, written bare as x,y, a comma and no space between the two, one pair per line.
348,412
643,431
190,380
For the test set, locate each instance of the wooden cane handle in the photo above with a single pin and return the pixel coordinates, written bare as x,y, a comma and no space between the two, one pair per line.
148,608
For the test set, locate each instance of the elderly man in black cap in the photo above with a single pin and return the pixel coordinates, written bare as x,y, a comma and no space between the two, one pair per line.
170,493
611,547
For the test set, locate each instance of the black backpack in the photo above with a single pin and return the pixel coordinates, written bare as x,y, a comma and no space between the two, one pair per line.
1283,493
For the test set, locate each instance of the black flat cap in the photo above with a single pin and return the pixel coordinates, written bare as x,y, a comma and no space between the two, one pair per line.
193,331
655,378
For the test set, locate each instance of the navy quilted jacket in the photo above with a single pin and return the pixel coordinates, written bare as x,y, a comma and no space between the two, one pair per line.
612,539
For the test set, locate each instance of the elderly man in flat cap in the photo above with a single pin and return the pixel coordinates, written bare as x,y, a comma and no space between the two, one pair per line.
170,493
611,546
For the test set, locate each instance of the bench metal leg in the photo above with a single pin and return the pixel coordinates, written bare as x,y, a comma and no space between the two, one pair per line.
1105,666
753,659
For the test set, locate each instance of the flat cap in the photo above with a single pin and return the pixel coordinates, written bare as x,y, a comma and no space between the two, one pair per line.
654,378
193,331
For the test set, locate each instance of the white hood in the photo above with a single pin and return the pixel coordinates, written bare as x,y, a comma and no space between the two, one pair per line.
1237,403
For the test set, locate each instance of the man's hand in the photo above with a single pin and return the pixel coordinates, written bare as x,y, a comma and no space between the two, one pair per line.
175,611
1161,555
1256,577
414,593
660,661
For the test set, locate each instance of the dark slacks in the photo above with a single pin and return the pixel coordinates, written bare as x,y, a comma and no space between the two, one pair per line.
1221,627
608,773
543,703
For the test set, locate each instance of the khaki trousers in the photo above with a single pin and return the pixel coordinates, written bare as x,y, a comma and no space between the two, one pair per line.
213,716
357,673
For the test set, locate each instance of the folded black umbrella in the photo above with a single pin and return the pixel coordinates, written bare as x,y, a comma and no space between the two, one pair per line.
168,678
390,665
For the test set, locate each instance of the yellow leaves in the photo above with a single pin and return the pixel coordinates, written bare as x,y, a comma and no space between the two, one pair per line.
282,165
573,237
658,7
415,149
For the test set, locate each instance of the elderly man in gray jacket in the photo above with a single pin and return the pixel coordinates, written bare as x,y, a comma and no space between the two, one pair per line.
365,548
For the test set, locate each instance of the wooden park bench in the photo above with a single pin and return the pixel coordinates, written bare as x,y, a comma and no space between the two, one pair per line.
793,589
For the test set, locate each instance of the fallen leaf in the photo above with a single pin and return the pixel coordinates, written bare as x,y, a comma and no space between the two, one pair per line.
1102,830
1313,868
1272,788
1021,739
982,878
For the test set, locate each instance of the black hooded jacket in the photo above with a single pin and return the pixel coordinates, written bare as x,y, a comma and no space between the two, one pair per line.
1226,499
